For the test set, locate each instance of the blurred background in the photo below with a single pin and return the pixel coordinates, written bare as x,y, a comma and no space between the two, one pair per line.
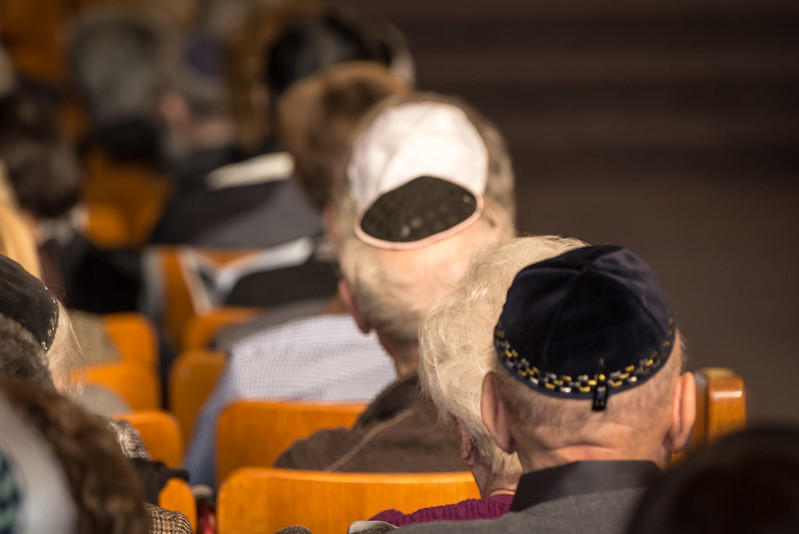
669,127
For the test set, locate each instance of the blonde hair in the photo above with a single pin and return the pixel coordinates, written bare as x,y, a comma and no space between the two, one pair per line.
17,241
456,340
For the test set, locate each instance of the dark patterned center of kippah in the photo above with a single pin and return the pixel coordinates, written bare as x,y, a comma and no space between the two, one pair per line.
418,209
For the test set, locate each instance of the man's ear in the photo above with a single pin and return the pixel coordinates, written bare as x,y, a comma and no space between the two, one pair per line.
683,412
467,445
494,416
346,296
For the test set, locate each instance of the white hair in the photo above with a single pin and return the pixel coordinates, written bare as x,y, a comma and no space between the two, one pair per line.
395,288
557,422
65,357
456,340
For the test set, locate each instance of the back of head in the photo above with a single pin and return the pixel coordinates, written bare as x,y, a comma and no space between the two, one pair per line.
335,35
245,47
384,153
742,484
194,70
112,55
456,348
588,358
101,481
418,200
38,160
318,116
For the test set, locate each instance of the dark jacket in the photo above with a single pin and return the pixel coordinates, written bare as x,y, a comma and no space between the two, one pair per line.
398,432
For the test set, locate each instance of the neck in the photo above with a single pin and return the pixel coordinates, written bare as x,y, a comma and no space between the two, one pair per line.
405,356
211,133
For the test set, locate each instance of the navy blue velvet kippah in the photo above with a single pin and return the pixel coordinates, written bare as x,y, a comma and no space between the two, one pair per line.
25,299
583,324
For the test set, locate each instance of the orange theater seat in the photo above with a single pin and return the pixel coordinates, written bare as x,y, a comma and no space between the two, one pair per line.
191,381
177,496
256,500
160,433
720,404
201,329
136,384
134,337
255,432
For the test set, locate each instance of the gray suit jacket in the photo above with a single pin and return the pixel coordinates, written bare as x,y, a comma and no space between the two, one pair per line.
590,496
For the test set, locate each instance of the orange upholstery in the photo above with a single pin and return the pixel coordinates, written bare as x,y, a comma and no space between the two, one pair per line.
107,226
135,190
255,500
720,404
177,496
255,432
135,383
201,329
191,380
134,337
174,285
160,433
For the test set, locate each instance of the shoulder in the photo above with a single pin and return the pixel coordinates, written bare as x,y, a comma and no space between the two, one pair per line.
163,521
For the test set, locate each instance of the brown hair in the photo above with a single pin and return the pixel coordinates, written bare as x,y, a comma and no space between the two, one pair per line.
245,48
318,116
102,482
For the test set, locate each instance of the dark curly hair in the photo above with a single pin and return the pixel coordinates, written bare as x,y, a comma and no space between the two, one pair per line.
102,482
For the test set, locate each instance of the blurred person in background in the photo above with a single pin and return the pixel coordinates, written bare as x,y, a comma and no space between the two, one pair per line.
428,183
310,350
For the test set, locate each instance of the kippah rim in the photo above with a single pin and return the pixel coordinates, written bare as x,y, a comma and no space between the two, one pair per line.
582,387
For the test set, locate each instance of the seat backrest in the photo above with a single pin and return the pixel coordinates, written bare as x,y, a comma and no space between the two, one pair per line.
160,433
138,385
255,500
191,380
134,337
174,291
177,496
720,404
255,432
201,329
107,226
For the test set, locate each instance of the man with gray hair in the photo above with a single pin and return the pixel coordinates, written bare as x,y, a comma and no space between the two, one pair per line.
429,183
587,388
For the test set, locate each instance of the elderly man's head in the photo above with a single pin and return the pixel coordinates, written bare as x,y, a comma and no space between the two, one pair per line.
428,183
588,364
456,349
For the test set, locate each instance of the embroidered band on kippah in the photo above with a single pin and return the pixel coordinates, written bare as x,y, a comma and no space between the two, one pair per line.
589,322
581,385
